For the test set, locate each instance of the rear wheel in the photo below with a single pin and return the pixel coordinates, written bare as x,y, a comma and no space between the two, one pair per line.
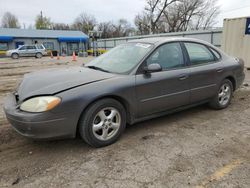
102,123
224,95
39,55
14,56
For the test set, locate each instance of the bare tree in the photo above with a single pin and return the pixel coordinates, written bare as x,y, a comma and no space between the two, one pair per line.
155,10
106,28
142,22
10,21
179,15
207,17
60,26
191,14
84,23
122,28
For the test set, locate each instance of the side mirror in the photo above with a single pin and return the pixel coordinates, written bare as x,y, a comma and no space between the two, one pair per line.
154,67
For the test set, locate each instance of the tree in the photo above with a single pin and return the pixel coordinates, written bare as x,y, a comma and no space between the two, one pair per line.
43,22
60,26
10,21
192,14
122,28
176,15
106,28
155,9
142,22
207,17
84,23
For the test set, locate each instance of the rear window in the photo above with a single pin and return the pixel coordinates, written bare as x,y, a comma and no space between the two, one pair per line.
40,47
199,54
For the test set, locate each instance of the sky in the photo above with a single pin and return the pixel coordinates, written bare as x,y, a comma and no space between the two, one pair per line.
65,11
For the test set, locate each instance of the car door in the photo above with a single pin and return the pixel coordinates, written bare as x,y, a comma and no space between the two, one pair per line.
22,51
205,68
31,51
166,89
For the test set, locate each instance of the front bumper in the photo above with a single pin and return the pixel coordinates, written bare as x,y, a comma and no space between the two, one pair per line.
45,125
8,54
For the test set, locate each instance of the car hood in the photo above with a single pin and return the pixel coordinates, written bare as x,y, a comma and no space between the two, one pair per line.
49,82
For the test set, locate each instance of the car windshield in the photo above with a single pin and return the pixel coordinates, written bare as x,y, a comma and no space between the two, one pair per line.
122,58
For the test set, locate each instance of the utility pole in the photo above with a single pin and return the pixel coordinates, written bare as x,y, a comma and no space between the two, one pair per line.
41,26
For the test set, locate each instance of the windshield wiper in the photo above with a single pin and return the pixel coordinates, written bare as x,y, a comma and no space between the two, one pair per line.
97,68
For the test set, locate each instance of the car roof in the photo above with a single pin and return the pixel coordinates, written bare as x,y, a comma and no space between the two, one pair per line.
160,40
30,44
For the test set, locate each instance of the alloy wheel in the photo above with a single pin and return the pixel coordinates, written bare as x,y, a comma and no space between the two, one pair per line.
106,123
224,94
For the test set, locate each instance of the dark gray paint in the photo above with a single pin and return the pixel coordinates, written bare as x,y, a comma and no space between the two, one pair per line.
143,95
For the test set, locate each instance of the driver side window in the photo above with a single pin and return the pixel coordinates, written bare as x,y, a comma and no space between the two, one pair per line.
169,56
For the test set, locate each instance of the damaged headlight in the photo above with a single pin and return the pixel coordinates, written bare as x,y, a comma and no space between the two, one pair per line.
40,104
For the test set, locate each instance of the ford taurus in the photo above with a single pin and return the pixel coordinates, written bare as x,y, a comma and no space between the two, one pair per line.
136,81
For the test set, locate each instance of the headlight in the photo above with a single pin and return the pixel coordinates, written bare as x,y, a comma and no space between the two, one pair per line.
40,104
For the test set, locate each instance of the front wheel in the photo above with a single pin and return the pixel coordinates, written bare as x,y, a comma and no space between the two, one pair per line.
103,123
14,56
39,55
223,96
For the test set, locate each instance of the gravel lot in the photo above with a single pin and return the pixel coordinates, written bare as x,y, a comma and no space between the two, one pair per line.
198,147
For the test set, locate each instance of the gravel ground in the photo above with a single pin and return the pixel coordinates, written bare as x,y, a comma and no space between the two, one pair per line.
198,147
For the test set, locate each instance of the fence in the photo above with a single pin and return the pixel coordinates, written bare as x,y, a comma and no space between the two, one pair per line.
212,36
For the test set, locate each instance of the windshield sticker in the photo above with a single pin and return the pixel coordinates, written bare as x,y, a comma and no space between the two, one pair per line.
143,45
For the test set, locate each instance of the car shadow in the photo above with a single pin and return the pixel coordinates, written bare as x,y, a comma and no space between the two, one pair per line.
168,119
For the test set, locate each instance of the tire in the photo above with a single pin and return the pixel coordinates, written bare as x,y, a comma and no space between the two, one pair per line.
223,96
14,56
102,123
39,55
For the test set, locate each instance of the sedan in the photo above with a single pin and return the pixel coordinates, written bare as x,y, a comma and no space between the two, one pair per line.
132,82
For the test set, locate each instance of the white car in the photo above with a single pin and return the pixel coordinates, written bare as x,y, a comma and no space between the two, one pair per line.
37,51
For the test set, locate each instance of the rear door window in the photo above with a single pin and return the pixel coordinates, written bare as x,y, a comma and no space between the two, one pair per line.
199,53
216,54
31,47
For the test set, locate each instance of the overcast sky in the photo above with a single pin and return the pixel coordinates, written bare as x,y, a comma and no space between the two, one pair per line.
66,11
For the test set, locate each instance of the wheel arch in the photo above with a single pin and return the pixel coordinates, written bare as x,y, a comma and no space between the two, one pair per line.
14,53
233,81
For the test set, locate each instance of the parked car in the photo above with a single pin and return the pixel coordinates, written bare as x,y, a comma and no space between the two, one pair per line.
136,81
37,51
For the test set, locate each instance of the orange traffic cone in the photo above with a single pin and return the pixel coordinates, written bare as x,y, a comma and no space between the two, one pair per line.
58,57
74,56
51,55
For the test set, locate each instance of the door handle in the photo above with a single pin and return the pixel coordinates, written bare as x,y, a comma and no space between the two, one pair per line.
183,77
219,69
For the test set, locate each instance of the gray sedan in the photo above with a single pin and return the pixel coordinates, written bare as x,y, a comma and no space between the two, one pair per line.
136,81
